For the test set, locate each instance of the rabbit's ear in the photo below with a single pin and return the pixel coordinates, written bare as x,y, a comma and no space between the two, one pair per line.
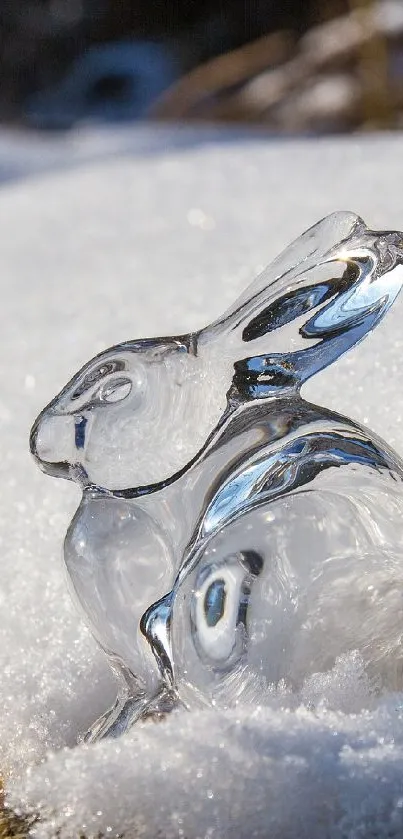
317,299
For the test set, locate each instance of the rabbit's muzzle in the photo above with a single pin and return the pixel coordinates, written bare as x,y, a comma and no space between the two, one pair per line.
53,443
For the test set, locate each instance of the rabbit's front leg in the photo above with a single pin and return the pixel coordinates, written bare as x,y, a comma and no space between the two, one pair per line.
125,711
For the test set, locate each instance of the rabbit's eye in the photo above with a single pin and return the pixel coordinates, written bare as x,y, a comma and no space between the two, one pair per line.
115,390
95,375
219,610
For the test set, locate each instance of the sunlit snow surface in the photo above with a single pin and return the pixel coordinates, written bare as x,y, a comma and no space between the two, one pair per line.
150,244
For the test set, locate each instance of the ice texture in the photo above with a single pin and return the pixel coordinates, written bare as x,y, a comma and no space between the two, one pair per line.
153,244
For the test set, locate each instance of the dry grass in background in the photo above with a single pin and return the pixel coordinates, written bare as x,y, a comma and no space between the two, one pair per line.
341,75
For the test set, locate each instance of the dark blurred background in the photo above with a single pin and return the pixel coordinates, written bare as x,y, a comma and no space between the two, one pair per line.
310,66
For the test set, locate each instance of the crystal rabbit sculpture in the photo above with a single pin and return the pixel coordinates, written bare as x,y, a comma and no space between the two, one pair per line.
230,534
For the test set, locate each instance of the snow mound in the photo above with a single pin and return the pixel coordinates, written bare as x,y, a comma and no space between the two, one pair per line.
248,772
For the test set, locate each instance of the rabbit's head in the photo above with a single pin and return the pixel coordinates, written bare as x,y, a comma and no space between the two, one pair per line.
140,412
133,416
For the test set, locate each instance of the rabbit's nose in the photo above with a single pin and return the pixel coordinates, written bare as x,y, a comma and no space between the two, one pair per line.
52,439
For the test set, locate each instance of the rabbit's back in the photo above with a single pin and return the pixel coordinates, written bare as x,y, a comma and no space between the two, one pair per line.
271,449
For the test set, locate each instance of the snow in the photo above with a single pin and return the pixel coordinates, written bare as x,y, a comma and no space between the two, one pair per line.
120,244
241,774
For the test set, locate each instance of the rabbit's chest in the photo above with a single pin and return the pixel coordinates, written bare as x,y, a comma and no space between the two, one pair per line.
118,561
